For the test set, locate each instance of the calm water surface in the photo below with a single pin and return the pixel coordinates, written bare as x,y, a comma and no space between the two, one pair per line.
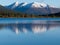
17,31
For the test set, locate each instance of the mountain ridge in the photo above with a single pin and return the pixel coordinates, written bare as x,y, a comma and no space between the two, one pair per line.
34,8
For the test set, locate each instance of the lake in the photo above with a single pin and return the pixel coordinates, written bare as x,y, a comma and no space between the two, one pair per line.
29,31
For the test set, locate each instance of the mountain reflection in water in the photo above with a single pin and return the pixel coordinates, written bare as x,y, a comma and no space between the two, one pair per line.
35,26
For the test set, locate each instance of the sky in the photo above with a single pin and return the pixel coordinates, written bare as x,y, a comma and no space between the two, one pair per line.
55,3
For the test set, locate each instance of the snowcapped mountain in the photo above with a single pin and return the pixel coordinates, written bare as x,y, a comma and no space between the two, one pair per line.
33,8
14,5
38,5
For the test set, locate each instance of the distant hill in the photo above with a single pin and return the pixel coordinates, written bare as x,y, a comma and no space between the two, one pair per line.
55,14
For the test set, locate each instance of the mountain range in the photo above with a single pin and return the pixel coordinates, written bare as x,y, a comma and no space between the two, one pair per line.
30,8
33,8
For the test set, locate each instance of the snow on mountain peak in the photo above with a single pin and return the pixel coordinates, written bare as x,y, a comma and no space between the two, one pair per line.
33,5
24,3
43,4
38,5
17,3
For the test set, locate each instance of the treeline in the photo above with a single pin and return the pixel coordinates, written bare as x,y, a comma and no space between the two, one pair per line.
23,15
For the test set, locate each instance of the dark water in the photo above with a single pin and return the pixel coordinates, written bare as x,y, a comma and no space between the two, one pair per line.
17,31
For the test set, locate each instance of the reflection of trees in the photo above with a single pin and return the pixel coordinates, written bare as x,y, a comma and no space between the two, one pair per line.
1,26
